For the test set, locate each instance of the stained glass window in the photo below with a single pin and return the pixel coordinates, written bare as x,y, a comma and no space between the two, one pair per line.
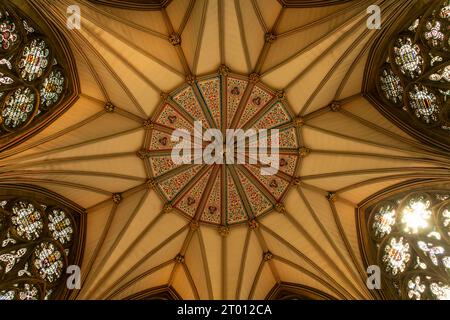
408,57
391,85
37,243
32,79
410,241
415,72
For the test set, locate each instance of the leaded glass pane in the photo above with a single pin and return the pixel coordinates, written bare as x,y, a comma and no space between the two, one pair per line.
410,240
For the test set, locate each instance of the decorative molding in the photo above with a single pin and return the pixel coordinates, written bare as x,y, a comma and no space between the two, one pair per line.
117,198
149,5
253,224
223,231
175,39
270,37
267,256
303,152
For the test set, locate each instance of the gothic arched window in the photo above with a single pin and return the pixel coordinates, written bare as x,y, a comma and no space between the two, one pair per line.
34,75
408,237
413,76
40,236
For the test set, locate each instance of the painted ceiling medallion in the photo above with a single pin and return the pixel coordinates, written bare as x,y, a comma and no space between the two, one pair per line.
221,194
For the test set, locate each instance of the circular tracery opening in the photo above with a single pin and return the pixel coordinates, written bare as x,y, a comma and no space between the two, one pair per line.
222,194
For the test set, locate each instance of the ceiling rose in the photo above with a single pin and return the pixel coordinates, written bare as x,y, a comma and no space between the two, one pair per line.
221,194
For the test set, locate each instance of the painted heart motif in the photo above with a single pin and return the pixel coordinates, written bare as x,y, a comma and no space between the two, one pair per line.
283,162
172,119
235,91
274,184
190,201
212,209
163,141
257,101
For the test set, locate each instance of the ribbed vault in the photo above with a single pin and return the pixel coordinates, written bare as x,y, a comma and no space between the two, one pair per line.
127,59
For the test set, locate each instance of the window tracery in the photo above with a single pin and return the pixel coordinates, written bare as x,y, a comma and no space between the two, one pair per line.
39,238
414,75
33,76
409,237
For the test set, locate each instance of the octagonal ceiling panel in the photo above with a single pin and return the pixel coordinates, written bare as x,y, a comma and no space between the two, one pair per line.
141,76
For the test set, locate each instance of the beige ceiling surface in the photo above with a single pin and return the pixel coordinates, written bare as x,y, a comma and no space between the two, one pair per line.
125,57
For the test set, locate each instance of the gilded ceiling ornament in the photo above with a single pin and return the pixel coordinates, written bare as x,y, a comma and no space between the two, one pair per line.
175,39
143,153
331,196
335,106
254,77
268,256
298,122
303,151
194,225
281,95
253,224
224,231
116,198
148,124
223,70
151,184
270,37
279,207
190,79
167,208
179,258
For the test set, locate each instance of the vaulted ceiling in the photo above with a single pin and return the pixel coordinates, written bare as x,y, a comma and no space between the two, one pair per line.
128,61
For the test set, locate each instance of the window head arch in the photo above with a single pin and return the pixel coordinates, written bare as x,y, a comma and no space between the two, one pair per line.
292,291
409,74
41,234
37,78
406,232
